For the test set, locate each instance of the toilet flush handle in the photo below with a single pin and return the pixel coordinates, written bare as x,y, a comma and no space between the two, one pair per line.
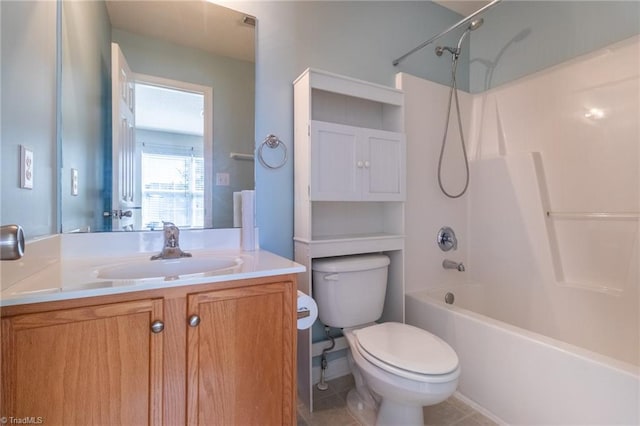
331,277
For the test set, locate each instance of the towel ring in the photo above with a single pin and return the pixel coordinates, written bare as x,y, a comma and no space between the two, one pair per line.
273,142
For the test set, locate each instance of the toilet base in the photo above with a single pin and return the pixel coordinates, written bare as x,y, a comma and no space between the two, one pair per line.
393,413
390,413
363,412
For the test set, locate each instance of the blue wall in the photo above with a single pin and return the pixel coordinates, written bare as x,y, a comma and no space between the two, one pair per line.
28,113
360,39
522,37
86,122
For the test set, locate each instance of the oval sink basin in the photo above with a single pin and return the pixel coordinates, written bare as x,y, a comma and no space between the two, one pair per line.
167,268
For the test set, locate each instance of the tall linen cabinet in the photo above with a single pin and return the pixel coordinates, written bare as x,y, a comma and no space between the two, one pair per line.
350,184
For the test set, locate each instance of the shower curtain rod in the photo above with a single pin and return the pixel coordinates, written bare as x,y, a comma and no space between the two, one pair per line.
451,28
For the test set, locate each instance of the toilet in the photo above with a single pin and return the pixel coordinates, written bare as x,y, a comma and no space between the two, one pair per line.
397,368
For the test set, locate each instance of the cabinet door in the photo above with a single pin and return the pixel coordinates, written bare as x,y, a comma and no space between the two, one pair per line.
241,356
335,153
384,177
98,365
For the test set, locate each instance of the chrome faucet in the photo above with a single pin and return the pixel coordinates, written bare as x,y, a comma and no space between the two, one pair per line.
450,264
171,248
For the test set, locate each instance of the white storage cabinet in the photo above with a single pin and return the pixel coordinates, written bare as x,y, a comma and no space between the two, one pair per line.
350,155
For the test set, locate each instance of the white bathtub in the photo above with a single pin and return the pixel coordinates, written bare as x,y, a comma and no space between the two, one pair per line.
522,377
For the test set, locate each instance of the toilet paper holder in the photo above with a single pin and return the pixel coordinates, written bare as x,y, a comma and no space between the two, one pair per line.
307,311
304,314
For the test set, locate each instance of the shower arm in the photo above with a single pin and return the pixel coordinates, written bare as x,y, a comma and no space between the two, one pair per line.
451,28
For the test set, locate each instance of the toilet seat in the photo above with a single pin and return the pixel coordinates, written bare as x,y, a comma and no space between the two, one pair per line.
407,351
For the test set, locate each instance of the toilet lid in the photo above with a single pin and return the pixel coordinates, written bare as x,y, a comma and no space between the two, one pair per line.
408,348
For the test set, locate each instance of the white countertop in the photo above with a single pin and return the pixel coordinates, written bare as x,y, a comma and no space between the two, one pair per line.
70,277
76,278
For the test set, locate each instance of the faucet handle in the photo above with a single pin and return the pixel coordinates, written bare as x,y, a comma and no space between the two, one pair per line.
447,239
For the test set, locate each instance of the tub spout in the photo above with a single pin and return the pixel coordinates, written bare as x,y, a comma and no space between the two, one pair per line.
450,264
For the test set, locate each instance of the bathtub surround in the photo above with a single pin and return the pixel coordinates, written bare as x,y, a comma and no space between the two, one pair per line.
563,141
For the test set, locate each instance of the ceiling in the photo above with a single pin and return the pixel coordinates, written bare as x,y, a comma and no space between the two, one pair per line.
463,7
194,23
207,26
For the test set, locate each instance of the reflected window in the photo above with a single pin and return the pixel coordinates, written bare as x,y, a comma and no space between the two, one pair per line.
170,139
172,186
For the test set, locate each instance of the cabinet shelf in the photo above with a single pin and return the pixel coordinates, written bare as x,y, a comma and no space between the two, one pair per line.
341,245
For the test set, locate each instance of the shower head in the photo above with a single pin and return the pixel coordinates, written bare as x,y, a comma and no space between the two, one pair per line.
474,25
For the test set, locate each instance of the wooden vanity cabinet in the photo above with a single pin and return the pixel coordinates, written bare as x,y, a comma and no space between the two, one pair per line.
220,353
82,366
241,356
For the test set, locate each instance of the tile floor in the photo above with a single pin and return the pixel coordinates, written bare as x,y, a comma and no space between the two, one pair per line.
331,409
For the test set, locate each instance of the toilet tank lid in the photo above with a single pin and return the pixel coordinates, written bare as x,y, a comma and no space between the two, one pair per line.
362,262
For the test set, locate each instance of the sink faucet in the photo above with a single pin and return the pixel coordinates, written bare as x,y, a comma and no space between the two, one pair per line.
171,248
450,264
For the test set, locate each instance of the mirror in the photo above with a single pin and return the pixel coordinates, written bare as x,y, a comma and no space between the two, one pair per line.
157,140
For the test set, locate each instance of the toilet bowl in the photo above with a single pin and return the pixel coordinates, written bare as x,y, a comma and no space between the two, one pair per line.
397,368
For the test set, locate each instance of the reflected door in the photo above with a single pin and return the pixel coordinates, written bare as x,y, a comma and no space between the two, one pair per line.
125,202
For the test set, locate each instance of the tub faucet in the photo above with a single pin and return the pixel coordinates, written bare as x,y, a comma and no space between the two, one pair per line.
171,248
450,264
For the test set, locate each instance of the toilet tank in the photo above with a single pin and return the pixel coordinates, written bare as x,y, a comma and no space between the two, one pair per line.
350,290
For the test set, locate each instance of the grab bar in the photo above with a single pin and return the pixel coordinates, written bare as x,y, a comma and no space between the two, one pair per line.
594,215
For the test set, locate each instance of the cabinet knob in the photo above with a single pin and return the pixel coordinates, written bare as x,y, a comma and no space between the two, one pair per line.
157,326
359,164
194,320
366,164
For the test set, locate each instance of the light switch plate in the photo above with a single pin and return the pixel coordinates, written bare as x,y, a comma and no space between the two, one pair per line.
74,181
222,179
26,167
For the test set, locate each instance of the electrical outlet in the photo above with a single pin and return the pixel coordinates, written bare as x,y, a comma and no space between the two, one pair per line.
26,167
74,181
222,179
